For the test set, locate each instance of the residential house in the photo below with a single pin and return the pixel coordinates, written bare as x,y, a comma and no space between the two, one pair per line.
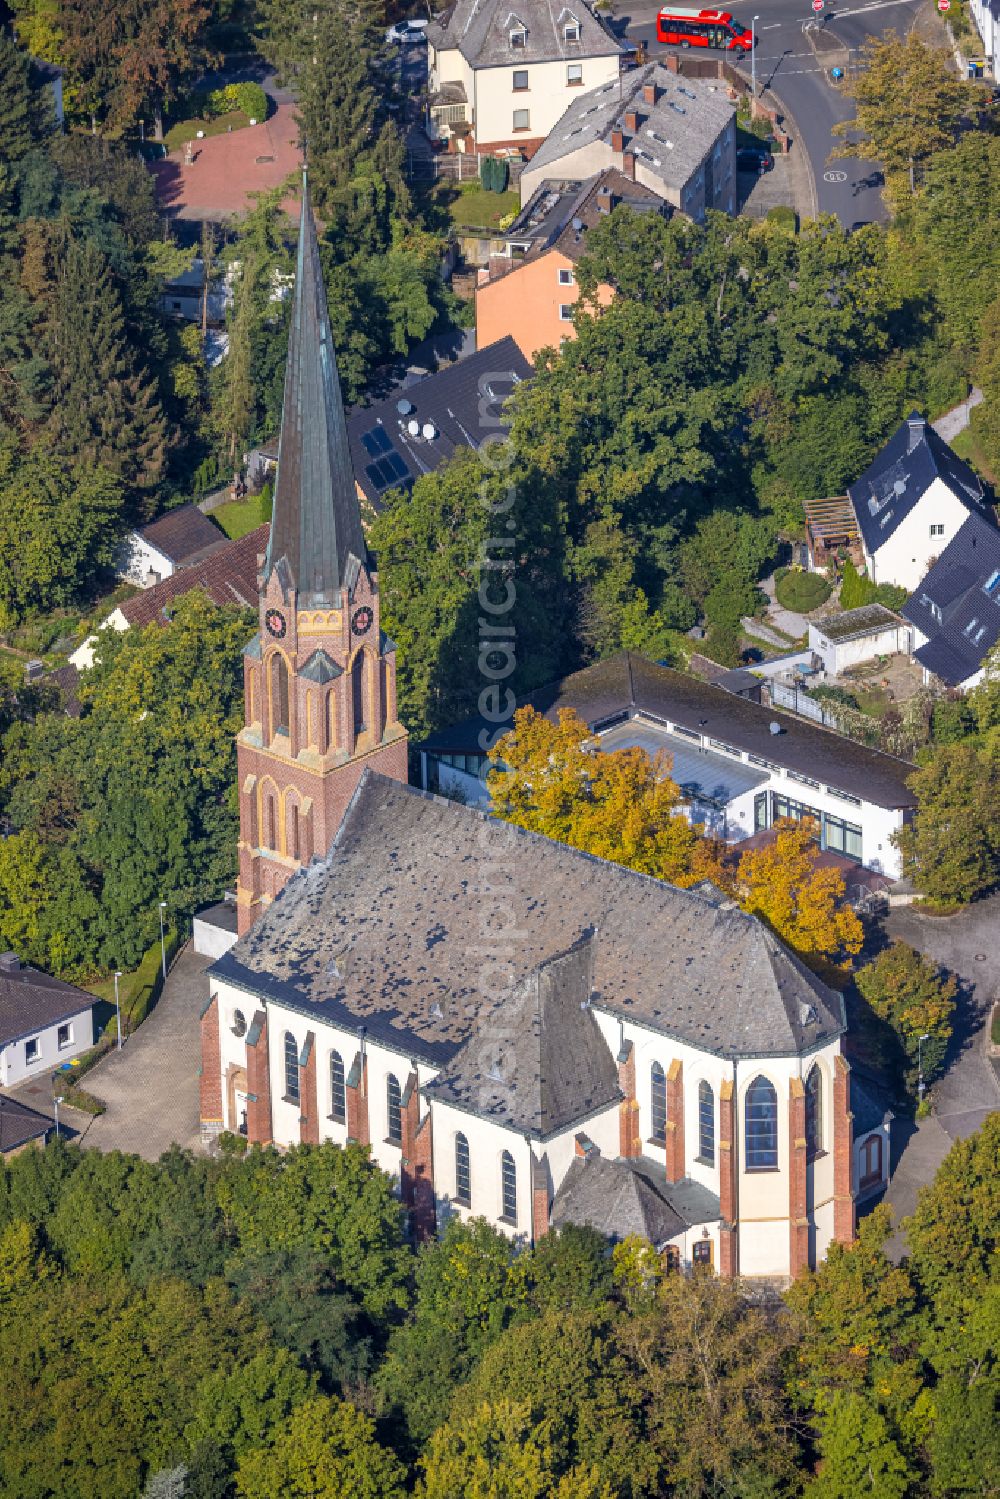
955,609
178,539
184,295
500,76
420,426
741,765
378,999
43,1021
20,1127
911,502
530,292
675,136
986,14
228,575
857,635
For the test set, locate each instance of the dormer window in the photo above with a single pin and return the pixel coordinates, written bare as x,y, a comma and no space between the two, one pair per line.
571,31
518,36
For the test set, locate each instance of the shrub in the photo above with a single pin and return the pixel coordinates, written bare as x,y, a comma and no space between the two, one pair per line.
247,98
801,591
858,589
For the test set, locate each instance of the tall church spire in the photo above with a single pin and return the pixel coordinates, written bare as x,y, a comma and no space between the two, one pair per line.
316,530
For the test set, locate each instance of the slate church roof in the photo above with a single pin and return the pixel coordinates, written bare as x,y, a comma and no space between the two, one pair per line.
537,1061
957,606
623,1197
902,473
316,526
390,932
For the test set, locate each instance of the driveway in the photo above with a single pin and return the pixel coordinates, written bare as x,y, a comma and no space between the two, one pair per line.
151,1085
968,1092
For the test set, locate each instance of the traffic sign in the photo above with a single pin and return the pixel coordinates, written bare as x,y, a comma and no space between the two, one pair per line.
817,5
944,4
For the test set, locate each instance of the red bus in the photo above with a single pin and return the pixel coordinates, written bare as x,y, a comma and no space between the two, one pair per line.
702,28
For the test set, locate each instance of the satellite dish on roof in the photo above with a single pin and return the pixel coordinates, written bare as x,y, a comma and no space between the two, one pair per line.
578,225
775,727
900,486
404,407
429,430
413,427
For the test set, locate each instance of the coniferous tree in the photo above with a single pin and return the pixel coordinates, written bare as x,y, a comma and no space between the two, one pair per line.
21,110
105,409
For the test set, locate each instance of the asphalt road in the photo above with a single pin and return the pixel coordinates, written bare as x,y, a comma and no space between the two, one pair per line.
786,63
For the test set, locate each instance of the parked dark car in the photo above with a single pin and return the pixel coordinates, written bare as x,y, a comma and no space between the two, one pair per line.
754,158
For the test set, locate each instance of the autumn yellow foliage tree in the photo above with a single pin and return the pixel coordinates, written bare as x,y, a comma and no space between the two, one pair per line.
801,901
550,778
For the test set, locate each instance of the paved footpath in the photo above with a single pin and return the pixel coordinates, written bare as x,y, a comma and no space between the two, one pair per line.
966,945
151,1085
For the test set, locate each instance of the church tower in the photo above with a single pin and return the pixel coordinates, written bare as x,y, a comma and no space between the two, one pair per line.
320,676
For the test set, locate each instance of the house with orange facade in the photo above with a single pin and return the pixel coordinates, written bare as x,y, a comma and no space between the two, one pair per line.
530,291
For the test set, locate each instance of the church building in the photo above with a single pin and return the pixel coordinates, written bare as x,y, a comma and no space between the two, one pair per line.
516,1030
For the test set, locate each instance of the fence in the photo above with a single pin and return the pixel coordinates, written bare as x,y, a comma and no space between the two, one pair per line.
785,695
458,166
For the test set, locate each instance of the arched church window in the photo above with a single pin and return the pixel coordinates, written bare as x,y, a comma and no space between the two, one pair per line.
814,1111
331,720
658,1103
279,694
761,1126
338,1090
358,693
291,1068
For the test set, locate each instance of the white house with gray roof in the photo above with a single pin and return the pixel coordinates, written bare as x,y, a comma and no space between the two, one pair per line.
521,1032
676,136
500,72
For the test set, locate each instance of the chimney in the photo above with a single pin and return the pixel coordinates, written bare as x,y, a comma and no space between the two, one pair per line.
673,62
631,122
584,1145
617,139
628,165
918,426
9,962
649,93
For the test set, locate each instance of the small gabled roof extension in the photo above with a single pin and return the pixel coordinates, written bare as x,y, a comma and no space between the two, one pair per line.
624,1197
899,476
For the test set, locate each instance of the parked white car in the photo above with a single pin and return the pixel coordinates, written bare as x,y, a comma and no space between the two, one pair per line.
406,32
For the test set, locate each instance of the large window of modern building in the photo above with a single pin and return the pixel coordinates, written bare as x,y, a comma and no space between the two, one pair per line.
291,1068
833,832
814,1111
761,1126
338,1089
463,1172
658,1104
706,1124
393,1110
508,1187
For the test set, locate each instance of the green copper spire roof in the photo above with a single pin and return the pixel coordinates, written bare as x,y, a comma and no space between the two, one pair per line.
316,529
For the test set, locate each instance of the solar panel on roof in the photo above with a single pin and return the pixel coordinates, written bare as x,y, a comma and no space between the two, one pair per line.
376,441
385,472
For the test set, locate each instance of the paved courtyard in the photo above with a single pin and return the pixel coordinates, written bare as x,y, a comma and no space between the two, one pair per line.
151,1085
228,169
966,944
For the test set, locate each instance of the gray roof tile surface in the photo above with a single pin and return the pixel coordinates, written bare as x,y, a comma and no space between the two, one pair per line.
480,30
674,136
623,1197
30,1000
963,586
390,932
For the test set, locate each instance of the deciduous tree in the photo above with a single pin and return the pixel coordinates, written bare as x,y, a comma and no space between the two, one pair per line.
951,849
916,999
325,1450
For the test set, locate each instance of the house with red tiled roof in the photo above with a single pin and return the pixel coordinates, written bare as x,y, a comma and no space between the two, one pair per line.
178,539
228,575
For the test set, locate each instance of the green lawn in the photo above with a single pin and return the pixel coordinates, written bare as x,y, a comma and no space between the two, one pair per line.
966,445
187,130
476,208
239,517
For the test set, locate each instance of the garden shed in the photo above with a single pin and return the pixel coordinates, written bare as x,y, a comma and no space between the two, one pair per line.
857,635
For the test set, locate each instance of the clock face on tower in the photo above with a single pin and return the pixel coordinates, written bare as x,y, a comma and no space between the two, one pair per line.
274,622
362,619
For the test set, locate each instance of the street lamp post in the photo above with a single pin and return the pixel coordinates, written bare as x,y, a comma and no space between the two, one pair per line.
753,56
118,1008
920,1065
163,946
57,1100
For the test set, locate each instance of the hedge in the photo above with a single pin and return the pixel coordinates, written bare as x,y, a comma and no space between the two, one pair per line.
138,991
800,591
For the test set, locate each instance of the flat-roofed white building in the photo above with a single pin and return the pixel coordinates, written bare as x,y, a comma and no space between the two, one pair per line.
742,765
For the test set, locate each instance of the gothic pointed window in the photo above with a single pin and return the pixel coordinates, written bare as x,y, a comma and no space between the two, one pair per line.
463,1172
761,1126
658,1104
338,1089
358,694
394,1113
331,720
291,1068
294,838
706,1124
270,821
814,1111
508,1187
279,694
